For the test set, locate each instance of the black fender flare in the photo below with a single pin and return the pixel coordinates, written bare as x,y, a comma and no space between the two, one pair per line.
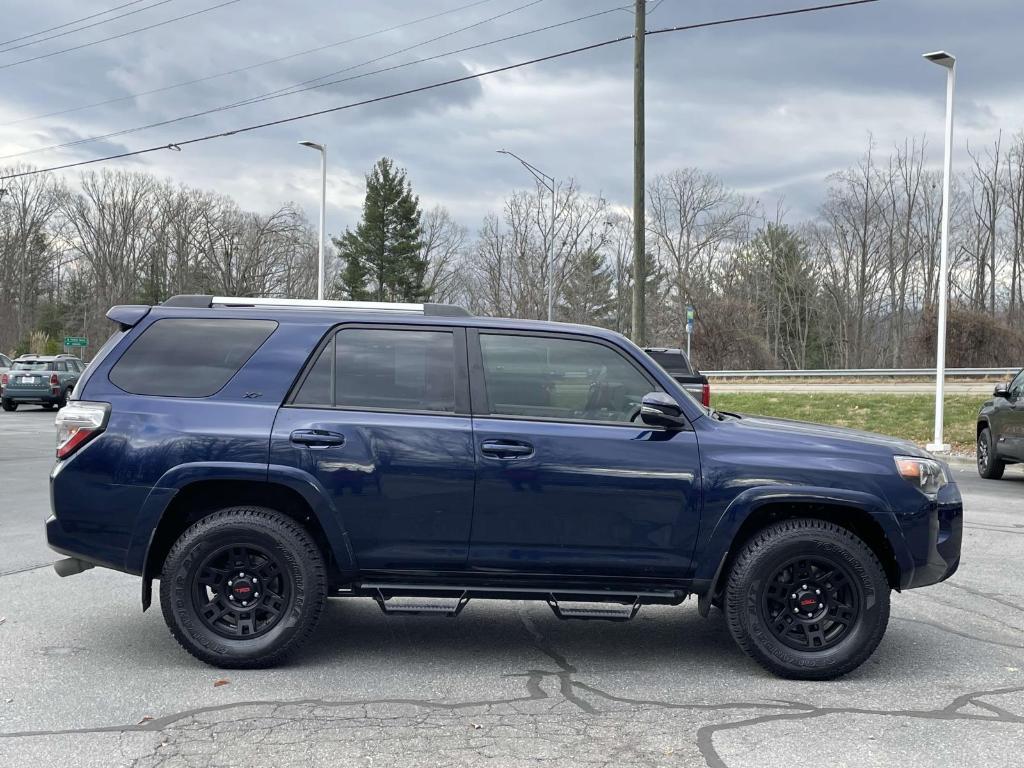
184,475
715,550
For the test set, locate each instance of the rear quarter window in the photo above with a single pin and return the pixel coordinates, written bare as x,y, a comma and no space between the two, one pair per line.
675,363
188,357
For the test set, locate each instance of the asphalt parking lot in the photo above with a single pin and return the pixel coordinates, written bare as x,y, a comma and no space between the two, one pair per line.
86,679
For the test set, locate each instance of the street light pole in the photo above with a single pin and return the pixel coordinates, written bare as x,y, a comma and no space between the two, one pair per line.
948,61
321,270
547,182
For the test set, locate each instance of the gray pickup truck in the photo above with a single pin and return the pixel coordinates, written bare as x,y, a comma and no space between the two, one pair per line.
678,366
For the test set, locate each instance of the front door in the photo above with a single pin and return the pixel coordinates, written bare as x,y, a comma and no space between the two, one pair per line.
1011,432
568,480
381,420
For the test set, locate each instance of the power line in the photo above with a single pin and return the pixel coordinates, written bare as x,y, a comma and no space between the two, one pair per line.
80,29
69,23
305,85
118,36
257,65
176,146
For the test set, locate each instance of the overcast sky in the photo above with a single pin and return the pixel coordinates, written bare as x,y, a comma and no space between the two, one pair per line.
772,106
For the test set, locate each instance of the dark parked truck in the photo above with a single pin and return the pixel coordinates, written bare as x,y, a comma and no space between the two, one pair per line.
1001,429
259,456
678,366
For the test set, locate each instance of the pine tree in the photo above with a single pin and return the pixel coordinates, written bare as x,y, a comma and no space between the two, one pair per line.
587,295
382,257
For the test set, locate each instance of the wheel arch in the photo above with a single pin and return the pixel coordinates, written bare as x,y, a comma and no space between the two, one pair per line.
171,510
876,528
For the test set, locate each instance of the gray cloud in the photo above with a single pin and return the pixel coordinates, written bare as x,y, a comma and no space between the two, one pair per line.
772,106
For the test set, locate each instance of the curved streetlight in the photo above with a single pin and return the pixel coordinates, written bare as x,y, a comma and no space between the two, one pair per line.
548,182
948,61
322,148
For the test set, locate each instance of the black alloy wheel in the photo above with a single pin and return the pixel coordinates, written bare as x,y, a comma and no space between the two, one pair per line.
810,603
241,591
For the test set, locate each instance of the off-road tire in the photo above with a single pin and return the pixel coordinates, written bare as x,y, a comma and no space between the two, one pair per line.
990,466
301,562
754,571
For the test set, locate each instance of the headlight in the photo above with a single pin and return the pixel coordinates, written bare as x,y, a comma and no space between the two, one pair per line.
927,475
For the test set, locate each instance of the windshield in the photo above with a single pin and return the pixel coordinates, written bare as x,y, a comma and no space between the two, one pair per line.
31,365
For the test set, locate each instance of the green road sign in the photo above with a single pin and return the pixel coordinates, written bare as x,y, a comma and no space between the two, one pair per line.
76,341
689,314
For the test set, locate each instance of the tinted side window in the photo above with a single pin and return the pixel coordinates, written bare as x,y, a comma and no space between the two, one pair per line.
1017,385
672,362
568,379
188,357
390,369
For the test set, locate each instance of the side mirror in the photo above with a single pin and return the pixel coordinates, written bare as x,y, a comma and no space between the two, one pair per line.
1002,390
659,410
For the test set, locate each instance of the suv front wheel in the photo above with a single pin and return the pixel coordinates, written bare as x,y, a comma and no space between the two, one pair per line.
989,465
243,587
807,599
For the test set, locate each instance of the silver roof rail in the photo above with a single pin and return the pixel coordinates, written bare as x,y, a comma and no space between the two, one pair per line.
350,306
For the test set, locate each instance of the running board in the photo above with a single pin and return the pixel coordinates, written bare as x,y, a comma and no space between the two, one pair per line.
580,609
421,606
593,611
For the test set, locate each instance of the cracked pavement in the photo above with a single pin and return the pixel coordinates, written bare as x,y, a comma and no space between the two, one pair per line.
88,680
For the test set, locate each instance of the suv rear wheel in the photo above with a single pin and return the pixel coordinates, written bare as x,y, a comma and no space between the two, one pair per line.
9,405
807,599
989,465
243,587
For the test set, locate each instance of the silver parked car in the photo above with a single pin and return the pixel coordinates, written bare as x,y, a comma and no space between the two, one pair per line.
5,366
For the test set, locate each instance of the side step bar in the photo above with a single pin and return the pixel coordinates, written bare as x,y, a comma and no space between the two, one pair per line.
421,606
578,606
593,611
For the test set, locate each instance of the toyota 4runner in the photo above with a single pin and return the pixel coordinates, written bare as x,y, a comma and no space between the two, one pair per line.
257,456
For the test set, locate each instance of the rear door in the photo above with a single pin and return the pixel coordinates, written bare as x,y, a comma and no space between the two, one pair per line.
568,479
381,420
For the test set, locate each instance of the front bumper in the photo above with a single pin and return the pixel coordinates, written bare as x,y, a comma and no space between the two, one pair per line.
934,536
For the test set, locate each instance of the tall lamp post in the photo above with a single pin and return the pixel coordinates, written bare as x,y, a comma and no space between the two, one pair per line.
948,61
548,182
322,149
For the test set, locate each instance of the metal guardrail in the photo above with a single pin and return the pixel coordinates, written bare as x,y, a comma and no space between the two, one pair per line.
855,373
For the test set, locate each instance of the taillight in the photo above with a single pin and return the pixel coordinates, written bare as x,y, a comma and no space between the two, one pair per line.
54,381
705,395
3,380
77,423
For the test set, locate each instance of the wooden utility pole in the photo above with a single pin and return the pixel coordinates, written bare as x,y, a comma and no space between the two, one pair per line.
639,218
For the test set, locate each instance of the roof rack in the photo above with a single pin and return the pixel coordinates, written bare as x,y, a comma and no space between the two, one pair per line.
208,302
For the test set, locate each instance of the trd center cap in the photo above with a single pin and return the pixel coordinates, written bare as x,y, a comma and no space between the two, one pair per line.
242,590
808,602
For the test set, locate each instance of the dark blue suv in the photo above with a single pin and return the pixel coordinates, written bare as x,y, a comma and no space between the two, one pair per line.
258,456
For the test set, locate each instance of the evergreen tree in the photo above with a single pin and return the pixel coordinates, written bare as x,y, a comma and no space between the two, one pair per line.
383,256
587,295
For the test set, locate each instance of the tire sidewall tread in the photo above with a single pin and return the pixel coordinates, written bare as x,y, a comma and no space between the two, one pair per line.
995,468
244,524
754,563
